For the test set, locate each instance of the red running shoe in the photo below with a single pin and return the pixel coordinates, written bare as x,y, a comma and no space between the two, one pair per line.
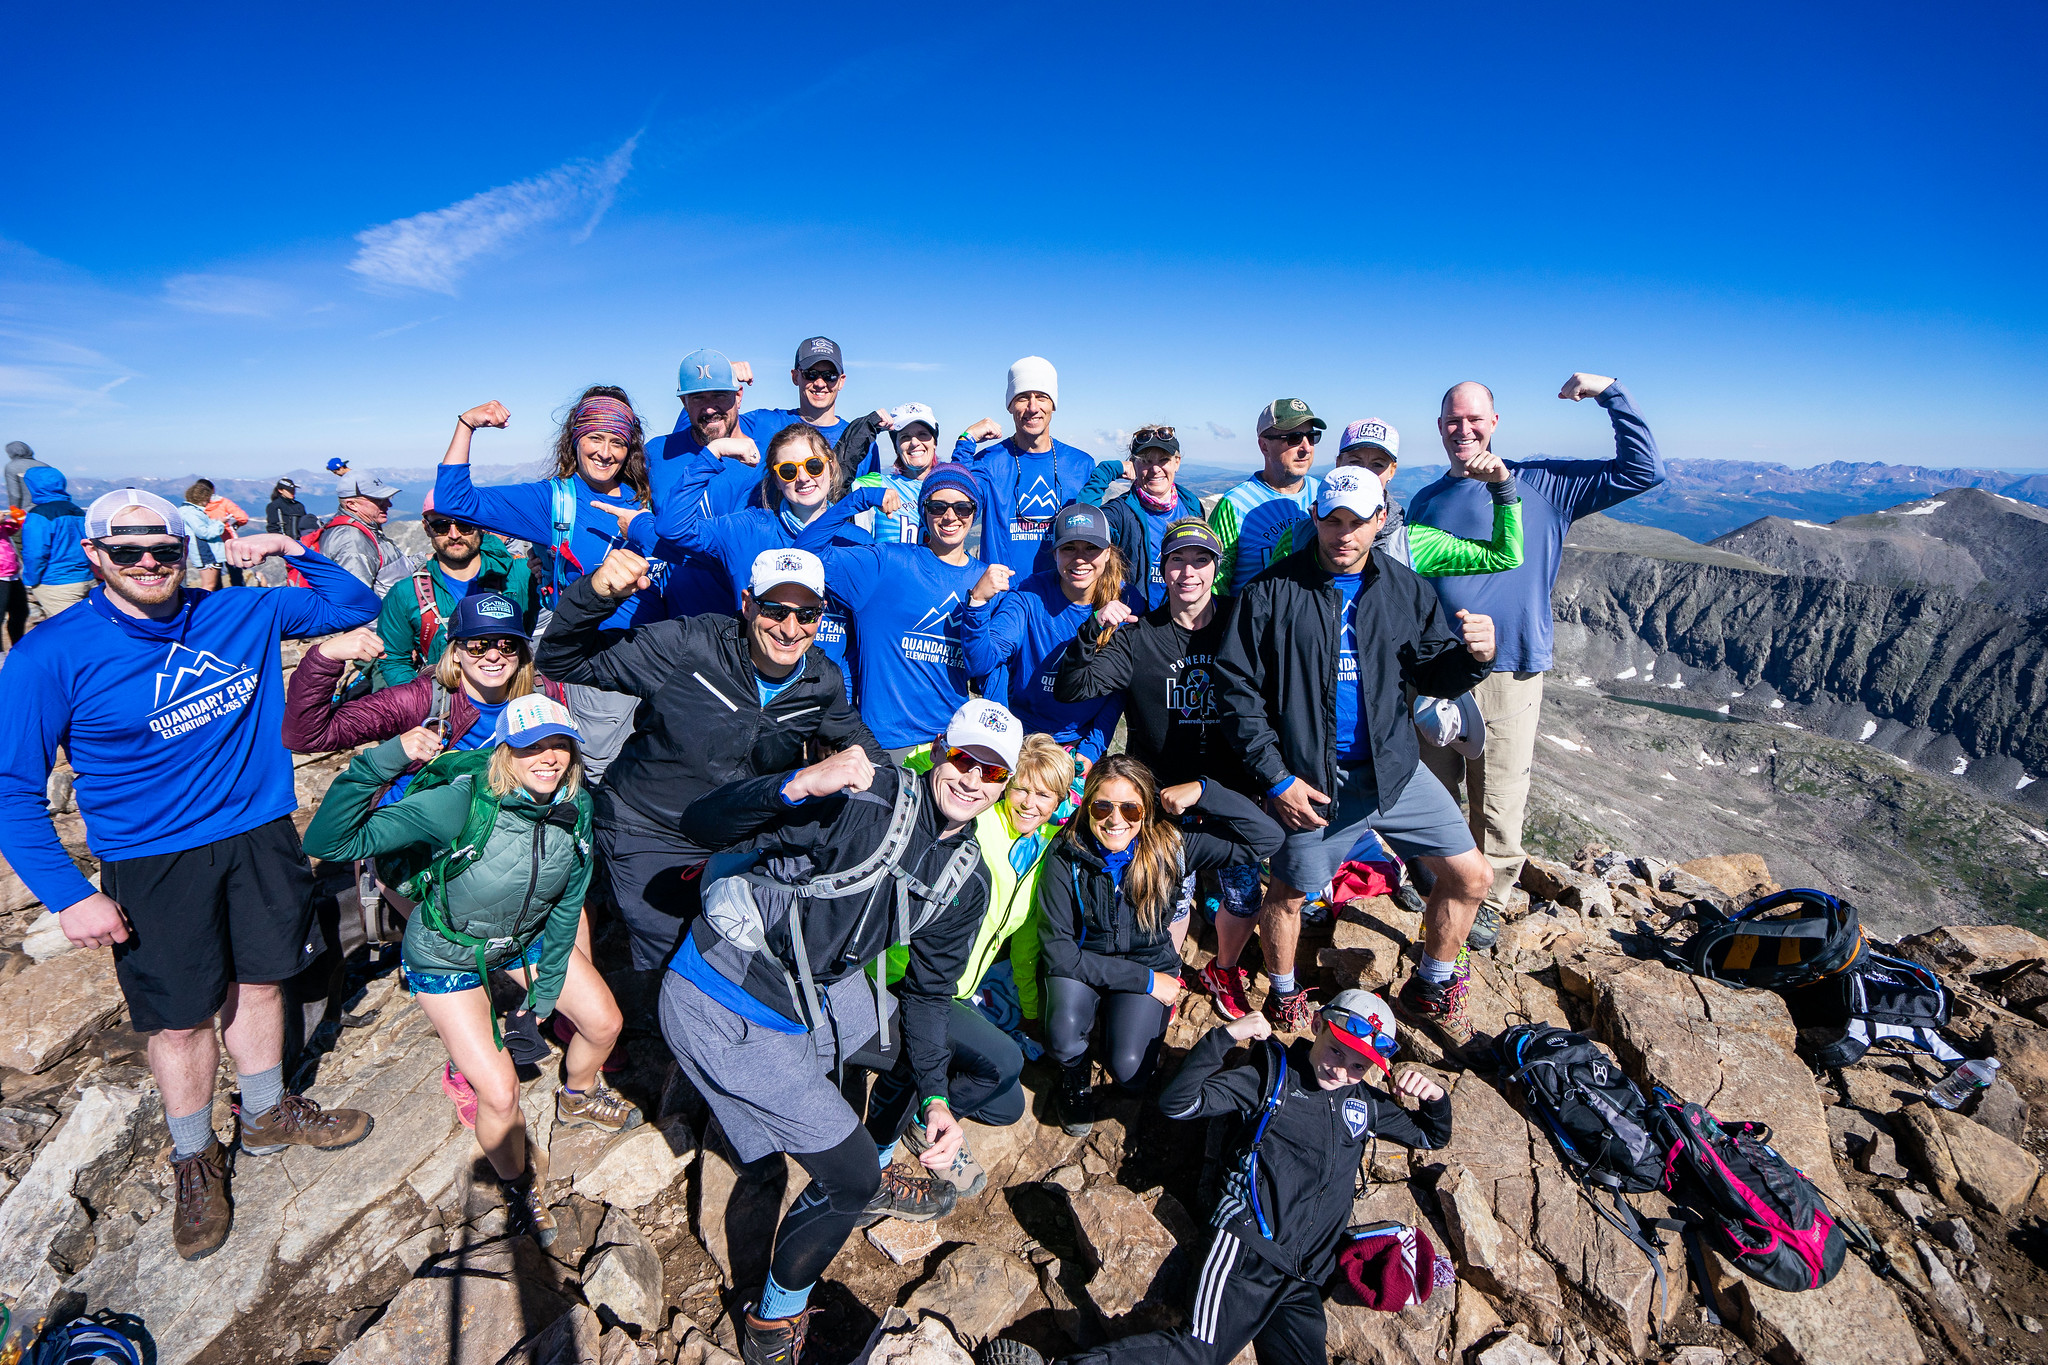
457,1088
1229,989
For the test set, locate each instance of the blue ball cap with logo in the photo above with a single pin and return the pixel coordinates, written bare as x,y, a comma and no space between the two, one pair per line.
484,614
705,372
1079,522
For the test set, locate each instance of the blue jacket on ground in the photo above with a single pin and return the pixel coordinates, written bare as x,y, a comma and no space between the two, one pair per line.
53,532
1555,493
171,726
525,511
1021,635
1021,493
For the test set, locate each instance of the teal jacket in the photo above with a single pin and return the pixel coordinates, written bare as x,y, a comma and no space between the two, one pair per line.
398,622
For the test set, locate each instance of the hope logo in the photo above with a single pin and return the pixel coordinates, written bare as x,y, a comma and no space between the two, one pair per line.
1192,694
787,563
995,720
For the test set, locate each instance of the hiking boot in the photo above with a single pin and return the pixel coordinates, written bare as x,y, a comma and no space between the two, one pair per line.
598,1107
526,1208
523,1043
204,1211
774,1341
1229,989
913,1198
1004,1351
1438,1007
965,1175
1485,929
1077,1098
296,1121
1294,1013
460,1093
1409,899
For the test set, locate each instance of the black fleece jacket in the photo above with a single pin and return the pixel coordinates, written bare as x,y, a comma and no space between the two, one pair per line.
1308,1162
1279,669
700,723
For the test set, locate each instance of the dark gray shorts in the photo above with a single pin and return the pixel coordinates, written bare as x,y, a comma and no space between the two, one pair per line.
1423,822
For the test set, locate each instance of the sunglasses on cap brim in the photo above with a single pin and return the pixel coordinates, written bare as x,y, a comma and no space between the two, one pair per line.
1361,1035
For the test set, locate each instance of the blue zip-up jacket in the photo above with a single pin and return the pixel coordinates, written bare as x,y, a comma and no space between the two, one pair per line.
526,511
1021,635
171,726
1555,493
53,533
1021,494
1135,529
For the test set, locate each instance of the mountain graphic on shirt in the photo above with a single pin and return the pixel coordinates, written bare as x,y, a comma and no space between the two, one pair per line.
933,622
188,673
1039,500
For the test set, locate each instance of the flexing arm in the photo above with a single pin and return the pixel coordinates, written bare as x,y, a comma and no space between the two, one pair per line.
1439,554
313,724
346,828
684,520
1089,670
577,648
991,631
1579,488
1428,1127
337,599
1440,665
1234,831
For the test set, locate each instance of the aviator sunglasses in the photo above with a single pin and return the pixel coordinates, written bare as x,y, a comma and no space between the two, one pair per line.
1132,812
782,611
128,556
991,773
789,470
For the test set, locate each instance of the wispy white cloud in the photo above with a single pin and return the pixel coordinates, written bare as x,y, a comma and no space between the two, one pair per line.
915,366
432,251
231,295
42,372
1221,433
405,327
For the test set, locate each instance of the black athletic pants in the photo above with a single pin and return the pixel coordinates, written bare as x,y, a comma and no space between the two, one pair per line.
1130,1032
1240,1300
843,1180
981,1079
654,878
16,599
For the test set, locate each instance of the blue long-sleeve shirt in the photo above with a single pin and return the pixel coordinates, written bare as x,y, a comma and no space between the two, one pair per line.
906,605
526,511
171,726
1022,634
52,547
1021,493
737,485
1555,493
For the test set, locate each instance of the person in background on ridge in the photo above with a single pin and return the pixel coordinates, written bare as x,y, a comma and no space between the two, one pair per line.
1138,518
206,534
338,467
205,895
284,515
467,560
1313,667
1029,476
1555,493
914,434
354,537
231,517
13,593
54,564
20,459
1250,518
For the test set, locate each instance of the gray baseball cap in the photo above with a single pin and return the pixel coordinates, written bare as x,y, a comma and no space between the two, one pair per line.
366,486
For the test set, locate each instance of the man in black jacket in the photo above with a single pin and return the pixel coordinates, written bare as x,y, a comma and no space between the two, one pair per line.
1312,671
770,988
721,700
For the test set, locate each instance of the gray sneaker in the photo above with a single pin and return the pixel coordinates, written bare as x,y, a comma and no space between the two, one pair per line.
1485,929
965,1175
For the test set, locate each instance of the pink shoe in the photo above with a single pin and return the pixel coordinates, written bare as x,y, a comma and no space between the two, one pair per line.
564,1031
458,1090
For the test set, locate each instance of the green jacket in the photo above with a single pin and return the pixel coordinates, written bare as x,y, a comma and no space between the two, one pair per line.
398,622
1439,554
499,896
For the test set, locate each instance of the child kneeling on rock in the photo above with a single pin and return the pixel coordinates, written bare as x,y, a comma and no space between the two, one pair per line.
508,830
1306,1114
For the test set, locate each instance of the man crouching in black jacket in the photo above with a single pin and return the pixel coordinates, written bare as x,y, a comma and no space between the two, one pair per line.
770,987
1305,1116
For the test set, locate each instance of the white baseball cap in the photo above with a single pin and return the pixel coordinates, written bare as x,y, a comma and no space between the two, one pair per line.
988,726
1355,490
99,518
1371,431
1033,374
1451,722
773,568
901,417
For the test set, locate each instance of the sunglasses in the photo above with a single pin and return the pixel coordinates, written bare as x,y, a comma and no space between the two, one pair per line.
1288,438
964,762
782,611
128,556
936,508
507,645
439,526
1151,433
821,375
789,470
1365,1030
1132,812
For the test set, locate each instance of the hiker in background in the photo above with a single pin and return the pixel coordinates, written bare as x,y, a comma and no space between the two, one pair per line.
1113,903
338,467
354,537
13,593
54,563
284,514
466,560
205,896
914,435
231,517
572,522
819,373
1028,477
1138,518
1334,632
1250,518
1555,493
20,459
507,831
206,536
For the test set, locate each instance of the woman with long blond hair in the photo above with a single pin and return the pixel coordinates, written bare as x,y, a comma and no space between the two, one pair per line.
1113,900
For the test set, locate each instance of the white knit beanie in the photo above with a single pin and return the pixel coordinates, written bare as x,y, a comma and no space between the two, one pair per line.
1033,374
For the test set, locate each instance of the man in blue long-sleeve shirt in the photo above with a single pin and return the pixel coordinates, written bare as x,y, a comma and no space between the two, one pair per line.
169,705
1555,493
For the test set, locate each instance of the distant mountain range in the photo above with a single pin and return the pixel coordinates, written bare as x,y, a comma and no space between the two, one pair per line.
316,486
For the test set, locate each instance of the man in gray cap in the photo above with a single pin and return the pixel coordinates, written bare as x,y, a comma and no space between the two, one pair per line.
20,459
355,538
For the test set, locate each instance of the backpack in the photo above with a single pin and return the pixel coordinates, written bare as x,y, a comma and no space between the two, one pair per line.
1879,1000
562,525
430,613
311,540
1767,943
1757,1210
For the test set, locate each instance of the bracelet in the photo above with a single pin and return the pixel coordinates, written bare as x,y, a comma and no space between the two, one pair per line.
465,426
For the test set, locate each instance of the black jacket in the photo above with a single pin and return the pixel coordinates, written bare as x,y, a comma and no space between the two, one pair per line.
700,723
1308,1162
287,517
1087,932
844,934
1279,669
1168,679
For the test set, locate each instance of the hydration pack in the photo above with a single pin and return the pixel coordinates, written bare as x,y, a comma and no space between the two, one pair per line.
1603,1127
311,540
1787,939
1880,1000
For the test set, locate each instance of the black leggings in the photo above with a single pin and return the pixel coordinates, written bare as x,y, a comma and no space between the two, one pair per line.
16,598
981,1079
1130,1033
843,1180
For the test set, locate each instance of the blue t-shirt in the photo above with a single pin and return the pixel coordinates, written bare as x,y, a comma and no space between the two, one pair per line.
476,736
171,726
1155,535
1354,741
768,689
905,602
1020,636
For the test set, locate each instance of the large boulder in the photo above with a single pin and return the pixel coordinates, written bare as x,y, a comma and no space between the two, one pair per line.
1126,1244
1973,948
43,1209
473,1308
622,1277
1966,1161
896,1341
1742,876
638,1166
977,1290
54,1007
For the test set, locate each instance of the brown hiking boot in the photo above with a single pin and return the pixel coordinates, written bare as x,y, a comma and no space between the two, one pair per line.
774,1341
1294,1013
598,1107
204,1210
298,1121
1439,1009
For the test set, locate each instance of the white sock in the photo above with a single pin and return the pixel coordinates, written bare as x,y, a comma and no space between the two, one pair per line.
1435,972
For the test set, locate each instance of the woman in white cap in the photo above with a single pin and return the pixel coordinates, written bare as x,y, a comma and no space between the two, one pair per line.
505,833
914,432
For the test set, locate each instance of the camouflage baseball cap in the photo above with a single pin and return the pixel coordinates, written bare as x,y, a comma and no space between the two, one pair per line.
1288,414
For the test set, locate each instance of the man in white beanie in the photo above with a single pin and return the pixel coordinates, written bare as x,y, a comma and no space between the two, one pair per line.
1029,477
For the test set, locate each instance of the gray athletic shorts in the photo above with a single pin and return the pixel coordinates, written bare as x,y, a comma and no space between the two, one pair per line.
772,1092
1423,822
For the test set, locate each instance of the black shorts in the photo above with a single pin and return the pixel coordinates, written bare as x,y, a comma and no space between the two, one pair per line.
237,909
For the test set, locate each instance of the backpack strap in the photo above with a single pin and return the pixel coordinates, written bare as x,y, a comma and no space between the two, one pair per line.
561,525
1276,1090
430,614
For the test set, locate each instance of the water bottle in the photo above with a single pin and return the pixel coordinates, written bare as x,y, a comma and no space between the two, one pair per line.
1966,1080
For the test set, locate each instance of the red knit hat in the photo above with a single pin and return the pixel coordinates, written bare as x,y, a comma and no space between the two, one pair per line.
1391,1267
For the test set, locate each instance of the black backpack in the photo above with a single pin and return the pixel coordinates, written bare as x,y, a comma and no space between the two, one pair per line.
1880,1000
1787,939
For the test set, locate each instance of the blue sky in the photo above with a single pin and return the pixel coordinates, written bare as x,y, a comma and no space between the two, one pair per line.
244,241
